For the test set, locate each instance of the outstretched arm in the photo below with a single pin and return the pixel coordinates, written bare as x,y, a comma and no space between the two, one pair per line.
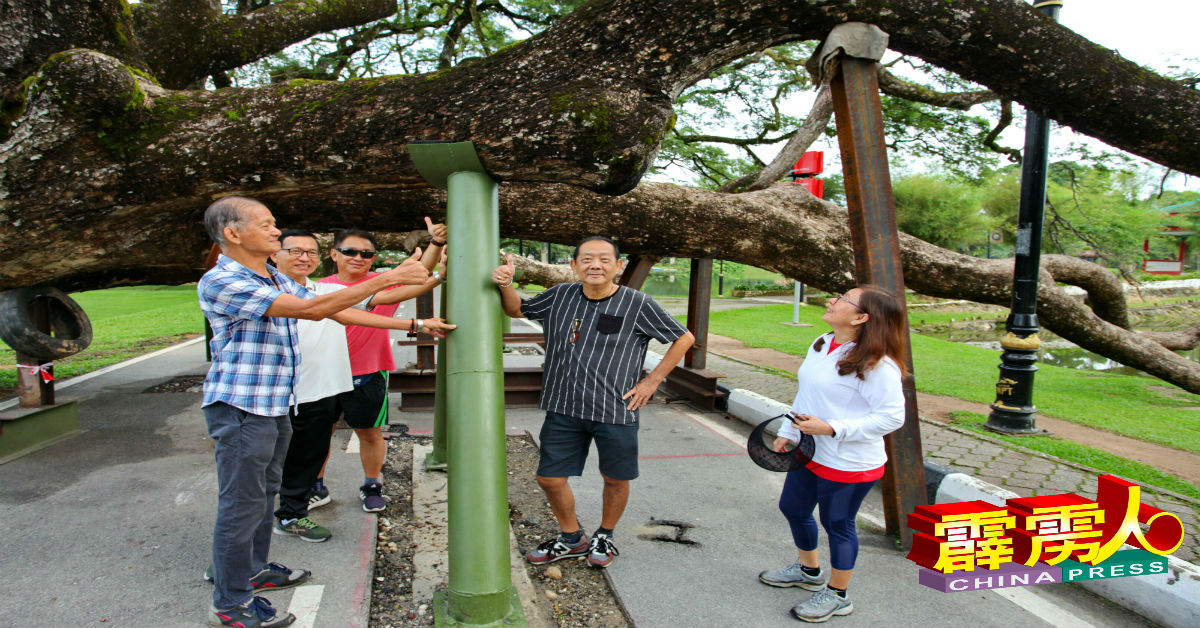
432,326
324,306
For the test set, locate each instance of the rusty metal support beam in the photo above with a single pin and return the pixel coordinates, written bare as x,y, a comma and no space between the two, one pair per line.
425,353
637,269
856,106
699,299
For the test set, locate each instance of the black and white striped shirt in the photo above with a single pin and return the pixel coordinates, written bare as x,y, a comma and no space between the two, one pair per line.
595,349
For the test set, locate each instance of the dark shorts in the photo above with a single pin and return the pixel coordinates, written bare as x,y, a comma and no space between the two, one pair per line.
565,441
366,406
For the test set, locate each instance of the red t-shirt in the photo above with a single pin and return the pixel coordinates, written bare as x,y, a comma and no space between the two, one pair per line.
370,348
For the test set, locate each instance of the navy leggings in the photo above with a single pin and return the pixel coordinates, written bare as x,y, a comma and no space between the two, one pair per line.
802,491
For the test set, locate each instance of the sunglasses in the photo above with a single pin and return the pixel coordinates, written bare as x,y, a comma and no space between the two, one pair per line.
842,297
365,253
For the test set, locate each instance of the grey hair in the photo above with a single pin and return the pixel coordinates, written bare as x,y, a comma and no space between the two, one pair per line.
225,212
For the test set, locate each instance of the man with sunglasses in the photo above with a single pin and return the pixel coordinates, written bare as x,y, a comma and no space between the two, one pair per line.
323,376
365,406
247,393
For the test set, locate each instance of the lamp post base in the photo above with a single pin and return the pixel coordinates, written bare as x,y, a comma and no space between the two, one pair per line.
1013,421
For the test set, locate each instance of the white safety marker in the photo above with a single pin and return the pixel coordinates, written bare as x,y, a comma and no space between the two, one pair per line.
1042,608
352,446
306,600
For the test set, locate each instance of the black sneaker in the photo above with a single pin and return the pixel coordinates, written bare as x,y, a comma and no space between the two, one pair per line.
276,576
257,613
558,549
372,497
319,497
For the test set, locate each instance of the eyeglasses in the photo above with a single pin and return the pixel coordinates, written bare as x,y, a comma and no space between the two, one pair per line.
842,297
365,253
294,252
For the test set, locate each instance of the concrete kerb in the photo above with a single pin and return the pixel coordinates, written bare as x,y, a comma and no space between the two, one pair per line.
1171,599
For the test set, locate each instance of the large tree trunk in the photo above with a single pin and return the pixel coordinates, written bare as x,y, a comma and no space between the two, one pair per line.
104,173
787,230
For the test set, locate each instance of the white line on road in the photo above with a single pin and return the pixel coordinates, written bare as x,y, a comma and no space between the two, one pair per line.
1042,608
721,430
108,369
352,446
306,600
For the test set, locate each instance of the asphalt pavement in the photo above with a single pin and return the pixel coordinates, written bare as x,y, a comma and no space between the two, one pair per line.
113,527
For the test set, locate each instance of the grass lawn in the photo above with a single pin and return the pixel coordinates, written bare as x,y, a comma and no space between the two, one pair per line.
1138,407
126,322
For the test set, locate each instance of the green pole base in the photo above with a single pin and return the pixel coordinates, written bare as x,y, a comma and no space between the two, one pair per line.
443,619
435,463
26,430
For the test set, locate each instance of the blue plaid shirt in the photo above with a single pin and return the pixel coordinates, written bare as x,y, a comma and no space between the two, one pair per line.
254,356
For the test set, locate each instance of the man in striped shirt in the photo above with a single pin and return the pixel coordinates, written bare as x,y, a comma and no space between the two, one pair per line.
596,337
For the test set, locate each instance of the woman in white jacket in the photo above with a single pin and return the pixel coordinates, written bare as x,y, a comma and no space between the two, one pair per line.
849,397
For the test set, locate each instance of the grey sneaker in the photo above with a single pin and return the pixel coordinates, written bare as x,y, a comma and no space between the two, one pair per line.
303,528
257,613
821,606
793,576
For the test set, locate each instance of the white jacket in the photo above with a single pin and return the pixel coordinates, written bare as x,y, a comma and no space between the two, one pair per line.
861,411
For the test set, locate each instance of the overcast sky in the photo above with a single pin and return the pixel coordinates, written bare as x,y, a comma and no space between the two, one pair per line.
1154,33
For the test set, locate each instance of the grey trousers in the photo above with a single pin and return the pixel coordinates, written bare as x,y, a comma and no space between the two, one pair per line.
249,450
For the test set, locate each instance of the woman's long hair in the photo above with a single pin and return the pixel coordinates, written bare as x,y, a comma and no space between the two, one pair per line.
882,334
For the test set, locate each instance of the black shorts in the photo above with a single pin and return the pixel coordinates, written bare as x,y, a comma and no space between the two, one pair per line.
565,441
367,405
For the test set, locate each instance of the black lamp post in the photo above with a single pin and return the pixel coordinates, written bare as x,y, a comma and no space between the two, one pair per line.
1013,411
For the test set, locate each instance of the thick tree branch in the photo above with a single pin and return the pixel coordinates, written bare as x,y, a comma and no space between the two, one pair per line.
814,125
895,86
186,40
535,272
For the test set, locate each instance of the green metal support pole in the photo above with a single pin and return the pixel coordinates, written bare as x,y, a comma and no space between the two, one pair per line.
480,591
436,459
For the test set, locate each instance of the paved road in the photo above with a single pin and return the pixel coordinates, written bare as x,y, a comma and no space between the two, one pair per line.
112,528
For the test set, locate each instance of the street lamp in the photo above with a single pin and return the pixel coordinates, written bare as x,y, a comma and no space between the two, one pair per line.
1013,410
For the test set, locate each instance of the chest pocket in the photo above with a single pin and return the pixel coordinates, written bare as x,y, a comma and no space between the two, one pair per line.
609,324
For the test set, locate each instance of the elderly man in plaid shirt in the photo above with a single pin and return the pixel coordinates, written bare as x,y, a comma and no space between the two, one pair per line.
252,309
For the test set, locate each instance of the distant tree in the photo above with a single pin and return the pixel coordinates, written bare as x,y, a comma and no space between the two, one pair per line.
939,210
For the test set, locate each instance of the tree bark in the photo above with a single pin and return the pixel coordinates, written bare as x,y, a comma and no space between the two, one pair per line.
787,230
104,173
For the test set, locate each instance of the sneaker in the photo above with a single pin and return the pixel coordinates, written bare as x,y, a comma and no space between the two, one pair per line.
601,551
318,497
372,497
823,605
793,576
557,549
276,576
257,613
303,528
